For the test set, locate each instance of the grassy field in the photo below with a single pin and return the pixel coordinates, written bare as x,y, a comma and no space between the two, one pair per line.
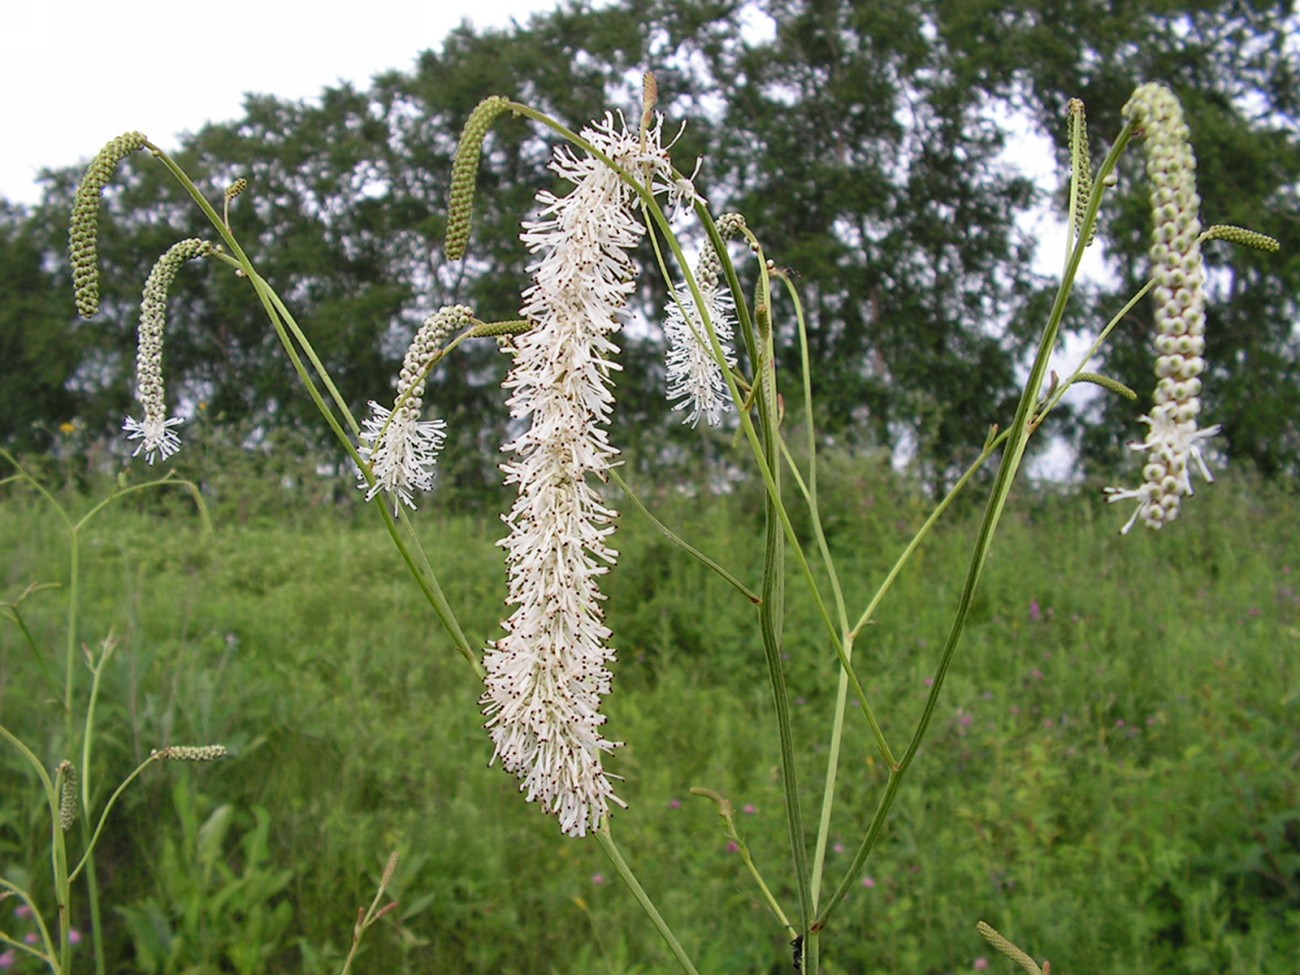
1111,781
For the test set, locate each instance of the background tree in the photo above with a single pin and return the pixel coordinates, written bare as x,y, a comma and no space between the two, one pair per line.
38,348
1236,67
863,142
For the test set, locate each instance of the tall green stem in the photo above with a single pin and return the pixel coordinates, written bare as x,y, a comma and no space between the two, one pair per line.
606,840
1013,453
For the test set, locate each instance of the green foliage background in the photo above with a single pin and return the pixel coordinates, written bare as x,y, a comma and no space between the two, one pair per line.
1111,782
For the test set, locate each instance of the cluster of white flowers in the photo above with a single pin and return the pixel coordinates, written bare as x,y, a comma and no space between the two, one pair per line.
155,431
400,448
695,379
546,677
1172,442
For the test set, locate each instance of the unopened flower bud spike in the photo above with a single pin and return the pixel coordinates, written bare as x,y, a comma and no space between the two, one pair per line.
1080,170
232,191
649,99
68,799
1242,236
1106,382
1004,945
189,753
464,174
83,229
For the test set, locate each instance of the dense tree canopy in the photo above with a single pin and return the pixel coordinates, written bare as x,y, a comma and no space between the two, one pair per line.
863,142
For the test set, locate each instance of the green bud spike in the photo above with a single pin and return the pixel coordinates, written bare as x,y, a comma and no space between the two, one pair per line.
83,230
190,753
709,269
517,326
153,307
1114,385
1018,956
67,778
464,174
1080,165
1240,235
649,99
730,225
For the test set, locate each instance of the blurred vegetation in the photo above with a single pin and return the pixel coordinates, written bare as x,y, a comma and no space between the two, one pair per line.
1111,780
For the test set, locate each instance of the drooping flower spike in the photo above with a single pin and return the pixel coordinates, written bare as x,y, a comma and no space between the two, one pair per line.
695,379
400,448
546,677
83,230
1173,440
155,431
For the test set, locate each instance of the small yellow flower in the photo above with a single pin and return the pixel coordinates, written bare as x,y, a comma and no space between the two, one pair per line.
68,426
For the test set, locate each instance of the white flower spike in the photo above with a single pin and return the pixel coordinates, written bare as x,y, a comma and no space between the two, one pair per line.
695,379
1172,442
155,431
400,448
547,675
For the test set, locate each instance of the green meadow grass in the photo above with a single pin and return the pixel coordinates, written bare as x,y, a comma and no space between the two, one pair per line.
1111,780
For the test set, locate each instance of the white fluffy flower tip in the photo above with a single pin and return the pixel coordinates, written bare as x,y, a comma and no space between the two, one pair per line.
546,677
401,457
155,435
695,379
1171,445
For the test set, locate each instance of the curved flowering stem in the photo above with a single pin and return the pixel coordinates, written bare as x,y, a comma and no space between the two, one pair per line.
291,337
765,444
103,815
764,374
11,612
1081,370
1016,438
275,309
843,646
727,815
771,611
75,531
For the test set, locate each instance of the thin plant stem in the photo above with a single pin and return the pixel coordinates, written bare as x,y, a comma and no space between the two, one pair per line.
15,616
86,862
412,553
46,956
771,611
726,814
58,852
681,543
843,643
606,840
1013,452
87,738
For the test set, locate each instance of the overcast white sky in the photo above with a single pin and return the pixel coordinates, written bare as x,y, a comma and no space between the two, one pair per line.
77,73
